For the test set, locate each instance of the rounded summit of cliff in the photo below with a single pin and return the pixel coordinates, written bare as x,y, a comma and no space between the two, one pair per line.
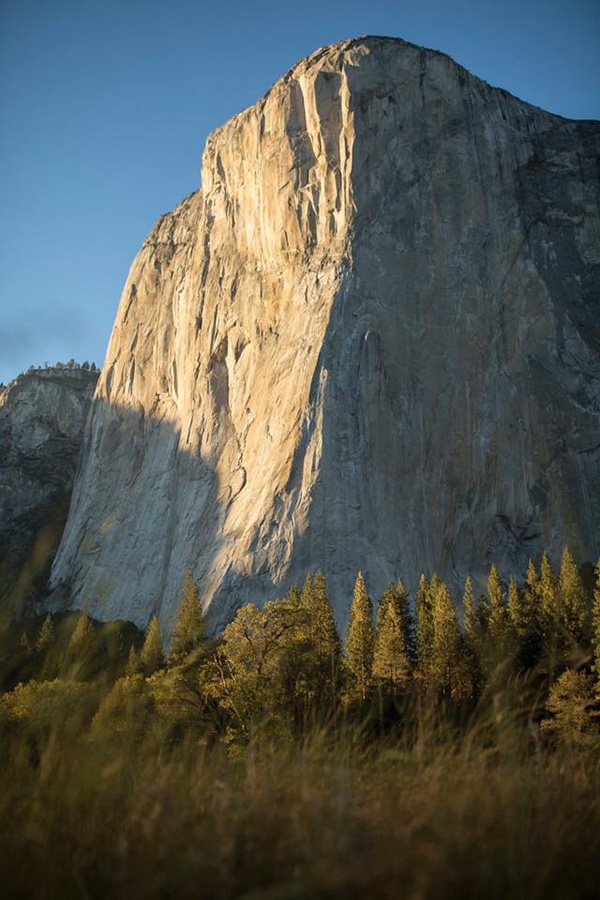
371,50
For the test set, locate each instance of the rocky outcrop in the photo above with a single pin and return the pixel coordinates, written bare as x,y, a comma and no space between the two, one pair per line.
371,341
42,417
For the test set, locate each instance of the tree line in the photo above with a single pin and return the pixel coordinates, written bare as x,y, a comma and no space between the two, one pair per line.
70,366
282,670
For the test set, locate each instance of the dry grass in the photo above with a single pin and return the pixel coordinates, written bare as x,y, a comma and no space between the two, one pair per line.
484,815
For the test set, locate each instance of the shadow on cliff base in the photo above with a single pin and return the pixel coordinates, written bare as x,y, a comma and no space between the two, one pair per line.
24,575
143,511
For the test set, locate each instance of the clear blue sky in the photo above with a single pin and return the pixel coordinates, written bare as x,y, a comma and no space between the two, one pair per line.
105,107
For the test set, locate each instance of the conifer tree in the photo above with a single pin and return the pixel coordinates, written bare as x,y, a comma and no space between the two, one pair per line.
408,623
532,579
84,633
323,631
133,662
294,595
497,634
473,632
386,596
525,616
574,711
308,593
151,656
392,654
359,646
188,633
596,622
519,620
572,608
322,646
434,586
549,613
497,619
471,618
516,610
46,635
448,672
83,644
424,623
547,586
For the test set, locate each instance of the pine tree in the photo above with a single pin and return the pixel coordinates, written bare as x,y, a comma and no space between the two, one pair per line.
188,633
516,622
424,624
46,635
573,706
471,619
516,609
497,619
322,654
392,652
80,658
359,646
84,634
532,580
294,595
323,631
473,632
497,629
596,622
448,671
526,619
133,662
572,609
547,587
151,656
549,614
308,592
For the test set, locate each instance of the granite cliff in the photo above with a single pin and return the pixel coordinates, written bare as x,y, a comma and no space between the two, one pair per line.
42,418
370,341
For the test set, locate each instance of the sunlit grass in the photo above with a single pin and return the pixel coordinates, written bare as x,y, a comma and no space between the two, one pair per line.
334,816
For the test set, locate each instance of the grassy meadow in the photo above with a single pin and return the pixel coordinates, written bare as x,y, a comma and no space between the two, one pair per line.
263,765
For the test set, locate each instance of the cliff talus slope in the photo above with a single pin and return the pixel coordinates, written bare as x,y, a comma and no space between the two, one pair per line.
370,341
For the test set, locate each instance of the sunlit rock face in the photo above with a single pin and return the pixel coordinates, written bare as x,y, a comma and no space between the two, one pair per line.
371,341
42,417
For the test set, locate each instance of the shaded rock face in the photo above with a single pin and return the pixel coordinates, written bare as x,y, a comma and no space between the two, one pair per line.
42,418
371,342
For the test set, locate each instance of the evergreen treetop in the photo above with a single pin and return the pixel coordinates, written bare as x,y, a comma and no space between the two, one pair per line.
188,633
392,655
46,635
323,631
547,586
360,642
84,631
596,622
573,607
448,672
424,622
151,655
497,617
